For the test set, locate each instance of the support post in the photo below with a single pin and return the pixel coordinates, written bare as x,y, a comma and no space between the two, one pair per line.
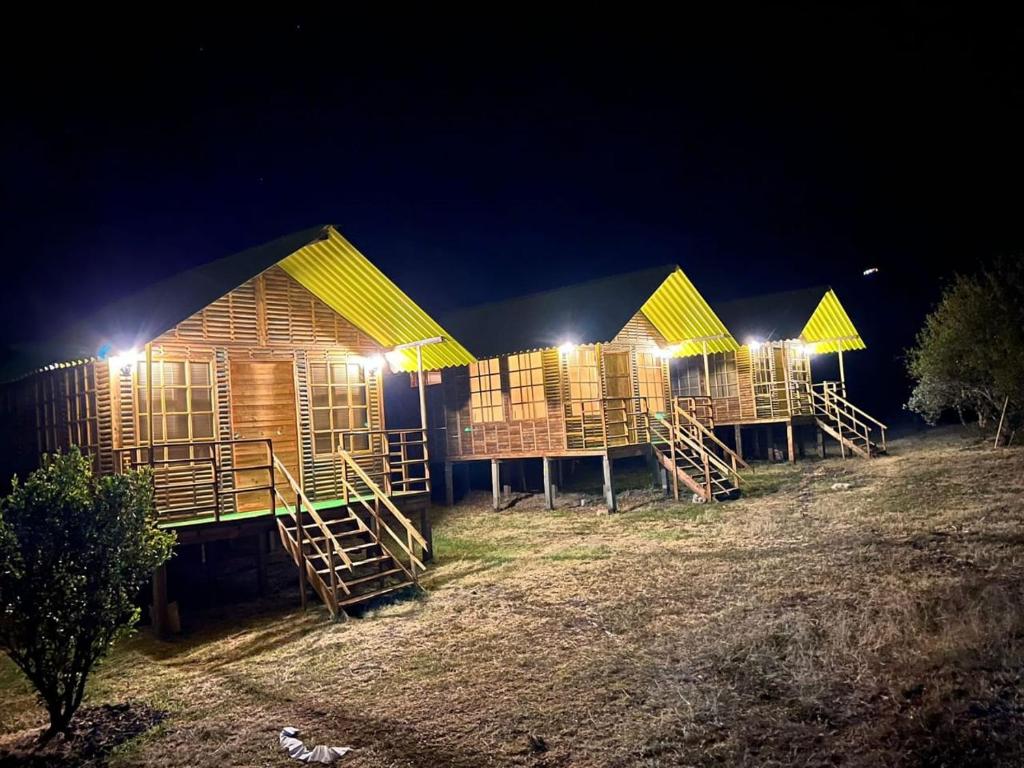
449,485
707,371
427,531
790,446
549,494
160,618
261,563
496,483
842,372
609,486
769,444
738,432
821,442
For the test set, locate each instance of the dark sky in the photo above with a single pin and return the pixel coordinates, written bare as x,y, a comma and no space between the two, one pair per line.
474,158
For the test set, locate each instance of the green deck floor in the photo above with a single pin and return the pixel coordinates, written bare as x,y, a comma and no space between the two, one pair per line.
234,517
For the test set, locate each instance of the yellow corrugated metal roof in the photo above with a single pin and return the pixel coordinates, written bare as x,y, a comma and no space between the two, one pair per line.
340,276
685,319
830,328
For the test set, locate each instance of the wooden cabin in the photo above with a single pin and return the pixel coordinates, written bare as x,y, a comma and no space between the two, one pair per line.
638,364
252,388
584,371
767,380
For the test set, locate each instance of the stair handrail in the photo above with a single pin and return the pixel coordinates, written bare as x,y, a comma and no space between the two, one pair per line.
834,394
381,497
736,458
307,507
677,434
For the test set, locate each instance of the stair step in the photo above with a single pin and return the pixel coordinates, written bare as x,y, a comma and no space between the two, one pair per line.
355,599
355,564
372,577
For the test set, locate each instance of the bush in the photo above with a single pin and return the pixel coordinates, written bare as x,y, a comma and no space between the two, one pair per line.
969,356
74,552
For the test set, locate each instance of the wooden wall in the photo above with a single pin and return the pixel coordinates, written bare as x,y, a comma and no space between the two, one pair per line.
747,385
563,429
271,317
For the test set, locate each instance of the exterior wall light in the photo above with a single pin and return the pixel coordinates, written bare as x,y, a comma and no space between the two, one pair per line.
754,344
566,347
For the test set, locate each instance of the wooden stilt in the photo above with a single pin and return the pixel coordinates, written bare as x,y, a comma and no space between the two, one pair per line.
261,563
653,466
427,531
549,494
449,485
801,433
522,475
160,618
496,483
790,446
738,431
609,486
769,444
821,442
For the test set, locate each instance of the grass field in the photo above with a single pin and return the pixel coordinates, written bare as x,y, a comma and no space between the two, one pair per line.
870,625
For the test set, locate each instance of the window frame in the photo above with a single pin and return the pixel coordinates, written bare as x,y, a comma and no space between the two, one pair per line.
581,401
527,401
486,404
359,438
160,389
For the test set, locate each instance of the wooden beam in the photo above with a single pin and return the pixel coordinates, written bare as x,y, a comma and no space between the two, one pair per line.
821,441
549,493
160,619
496,483
261,563
609,482
738,432
790,447
449,485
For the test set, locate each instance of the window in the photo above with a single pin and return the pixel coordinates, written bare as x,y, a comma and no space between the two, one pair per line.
485,391
526,386
688,375
182,405
66,410
340,404
584,384
48,397
80,383
650,376
724,381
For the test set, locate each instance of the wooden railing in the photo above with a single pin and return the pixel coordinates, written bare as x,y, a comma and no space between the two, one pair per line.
372,506
401,454
684,418
199,476
829,401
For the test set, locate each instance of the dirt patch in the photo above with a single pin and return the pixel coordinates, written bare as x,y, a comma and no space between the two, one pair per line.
97,732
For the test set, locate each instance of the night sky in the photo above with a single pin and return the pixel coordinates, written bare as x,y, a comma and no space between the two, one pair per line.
759,150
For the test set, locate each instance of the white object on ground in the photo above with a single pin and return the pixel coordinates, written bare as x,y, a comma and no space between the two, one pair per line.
319,754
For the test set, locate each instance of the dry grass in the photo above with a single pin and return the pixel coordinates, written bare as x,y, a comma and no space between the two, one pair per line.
878,625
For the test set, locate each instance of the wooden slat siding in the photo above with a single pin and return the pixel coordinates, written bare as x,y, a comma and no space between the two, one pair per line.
126,409
305,424
640,332
225,430
526,436
104,417
295,317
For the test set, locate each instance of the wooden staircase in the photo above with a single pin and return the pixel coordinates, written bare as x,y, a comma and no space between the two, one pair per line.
857,432
341,552
694,456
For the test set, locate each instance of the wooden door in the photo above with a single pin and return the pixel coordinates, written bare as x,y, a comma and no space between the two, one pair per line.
263,406
619,387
